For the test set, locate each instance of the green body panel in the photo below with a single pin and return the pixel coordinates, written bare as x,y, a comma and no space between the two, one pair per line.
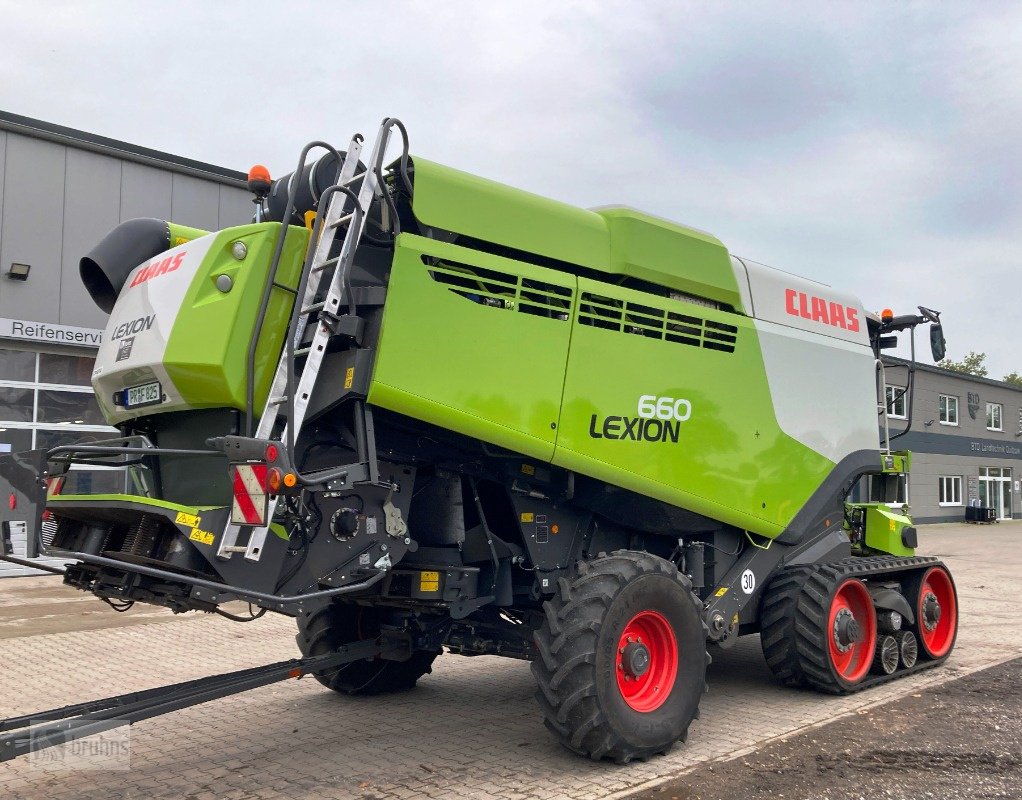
179,234
490,372
207,352
454,200
731,461
883,530
619,241
78,500
669,254
56,500
898,462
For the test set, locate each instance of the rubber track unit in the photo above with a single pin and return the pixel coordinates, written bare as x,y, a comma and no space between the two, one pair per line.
811,615
567,693
777,623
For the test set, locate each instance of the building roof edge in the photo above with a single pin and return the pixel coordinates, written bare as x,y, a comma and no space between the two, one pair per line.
39,129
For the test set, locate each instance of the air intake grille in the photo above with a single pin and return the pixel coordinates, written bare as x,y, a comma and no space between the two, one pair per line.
503,290
656,323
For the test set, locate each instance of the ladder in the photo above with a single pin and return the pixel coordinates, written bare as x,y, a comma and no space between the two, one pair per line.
342,218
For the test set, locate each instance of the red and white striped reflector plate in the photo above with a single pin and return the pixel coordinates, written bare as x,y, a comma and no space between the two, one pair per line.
249,494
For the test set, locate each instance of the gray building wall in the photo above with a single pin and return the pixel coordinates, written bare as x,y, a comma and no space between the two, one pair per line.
941,449
61,191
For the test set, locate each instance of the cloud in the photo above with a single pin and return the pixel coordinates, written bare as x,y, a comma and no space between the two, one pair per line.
871,146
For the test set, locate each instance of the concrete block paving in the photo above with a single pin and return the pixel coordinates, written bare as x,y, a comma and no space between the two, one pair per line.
471,729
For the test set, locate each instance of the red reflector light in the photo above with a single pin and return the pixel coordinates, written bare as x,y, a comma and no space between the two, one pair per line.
250,494
272,453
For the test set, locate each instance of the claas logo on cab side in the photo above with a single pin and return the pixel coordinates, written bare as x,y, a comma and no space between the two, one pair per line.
818,309
158,267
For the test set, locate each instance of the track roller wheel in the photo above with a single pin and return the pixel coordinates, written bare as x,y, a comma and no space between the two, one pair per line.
908,647
325,630
777,619
622,657
885,660
835,631
934,599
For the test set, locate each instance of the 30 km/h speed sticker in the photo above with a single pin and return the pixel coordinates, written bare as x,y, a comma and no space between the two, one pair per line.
748,581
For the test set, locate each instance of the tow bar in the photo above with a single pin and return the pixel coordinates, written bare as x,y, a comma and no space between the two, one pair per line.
33,732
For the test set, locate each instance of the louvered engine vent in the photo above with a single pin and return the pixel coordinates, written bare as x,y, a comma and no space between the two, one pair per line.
502,290
656,323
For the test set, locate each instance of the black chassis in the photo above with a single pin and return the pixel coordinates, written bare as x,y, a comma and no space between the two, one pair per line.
488,536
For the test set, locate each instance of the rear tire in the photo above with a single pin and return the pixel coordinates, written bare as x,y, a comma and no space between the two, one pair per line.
325,630
622,657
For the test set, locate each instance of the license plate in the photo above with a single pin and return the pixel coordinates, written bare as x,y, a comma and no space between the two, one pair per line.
145,395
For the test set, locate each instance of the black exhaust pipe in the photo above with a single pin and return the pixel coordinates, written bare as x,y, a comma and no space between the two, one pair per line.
314,179
131,243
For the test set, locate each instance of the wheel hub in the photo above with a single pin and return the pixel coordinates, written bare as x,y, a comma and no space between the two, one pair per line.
646,661
931,611
853,631
635,659
846,630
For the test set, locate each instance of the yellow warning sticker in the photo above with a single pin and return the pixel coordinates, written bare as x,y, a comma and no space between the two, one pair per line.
528,469
349,377
189,520
892,525
721,591
429,581
528,516
201,536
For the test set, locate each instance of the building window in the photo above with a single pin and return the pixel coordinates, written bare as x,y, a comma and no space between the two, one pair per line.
948,410
896,402
994,417
46,400
950,490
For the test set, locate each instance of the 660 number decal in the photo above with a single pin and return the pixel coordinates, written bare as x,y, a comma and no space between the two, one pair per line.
653,407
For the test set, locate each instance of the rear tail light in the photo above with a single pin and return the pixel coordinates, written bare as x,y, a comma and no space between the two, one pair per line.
54,485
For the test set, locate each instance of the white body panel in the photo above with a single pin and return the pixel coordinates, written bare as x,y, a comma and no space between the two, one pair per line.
801,303
140,324
818,360
823,390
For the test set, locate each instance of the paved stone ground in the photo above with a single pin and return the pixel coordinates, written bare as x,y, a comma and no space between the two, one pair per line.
469,730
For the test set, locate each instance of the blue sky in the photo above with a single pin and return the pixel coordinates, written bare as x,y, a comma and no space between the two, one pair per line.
874,147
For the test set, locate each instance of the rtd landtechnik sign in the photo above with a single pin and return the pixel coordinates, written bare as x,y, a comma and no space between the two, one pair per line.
31,331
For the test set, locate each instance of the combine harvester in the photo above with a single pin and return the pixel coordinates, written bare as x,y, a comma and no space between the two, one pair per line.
415,409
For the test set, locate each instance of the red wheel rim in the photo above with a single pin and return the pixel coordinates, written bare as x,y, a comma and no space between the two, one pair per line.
646,661
852,655
940,635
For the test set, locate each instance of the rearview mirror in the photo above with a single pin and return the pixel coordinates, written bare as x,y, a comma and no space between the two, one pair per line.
937,343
